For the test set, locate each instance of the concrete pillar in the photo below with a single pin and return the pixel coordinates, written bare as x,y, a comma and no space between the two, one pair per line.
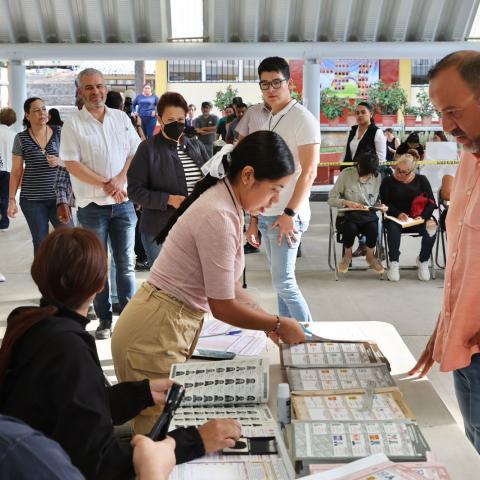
17,89
139,76
311,87
161,77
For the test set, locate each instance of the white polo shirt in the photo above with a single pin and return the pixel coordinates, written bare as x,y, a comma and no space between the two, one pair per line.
297,126
7,136
102,147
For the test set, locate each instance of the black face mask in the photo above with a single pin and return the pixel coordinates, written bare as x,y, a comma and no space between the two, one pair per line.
173,130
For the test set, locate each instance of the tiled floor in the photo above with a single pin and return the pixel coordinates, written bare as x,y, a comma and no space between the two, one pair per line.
410,305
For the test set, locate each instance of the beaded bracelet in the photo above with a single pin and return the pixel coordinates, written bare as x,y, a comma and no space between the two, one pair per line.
276,328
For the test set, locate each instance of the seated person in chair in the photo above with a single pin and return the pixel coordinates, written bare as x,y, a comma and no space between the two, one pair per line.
358,188
408,195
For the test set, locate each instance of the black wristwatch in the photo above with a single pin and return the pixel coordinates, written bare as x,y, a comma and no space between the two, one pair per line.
289,212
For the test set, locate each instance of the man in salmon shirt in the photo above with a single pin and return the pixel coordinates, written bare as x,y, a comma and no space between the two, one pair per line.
455,342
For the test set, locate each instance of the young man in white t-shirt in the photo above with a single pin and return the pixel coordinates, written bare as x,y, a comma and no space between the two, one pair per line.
283,225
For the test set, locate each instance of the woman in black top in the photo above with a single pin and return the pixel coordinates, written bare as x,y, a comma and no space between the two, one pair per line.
411,142
408,195
51,377
164,170
35,164
392,144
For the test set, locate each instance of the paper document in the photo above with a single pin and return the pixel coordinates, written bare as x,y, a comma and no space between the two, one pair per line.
339,379
220,336
407,223
329,441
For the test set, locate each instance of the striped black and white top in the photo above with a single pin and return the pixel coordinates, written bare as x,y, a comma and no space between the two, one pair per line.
38,177
192,171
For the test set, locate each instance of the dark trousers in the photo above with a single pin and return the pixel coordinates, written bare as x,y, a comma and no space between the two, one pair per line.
394,233
148,124
139,249
351,230
4,189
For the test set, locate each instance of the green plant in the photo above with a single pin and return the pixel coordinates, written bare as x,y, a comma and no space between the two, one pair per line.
389,99
409,110
426,108
224,98
332,106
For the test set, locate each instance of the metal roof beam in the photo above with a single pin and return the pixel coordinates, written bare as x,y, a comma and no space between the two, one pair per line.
7,13
102,21
293,50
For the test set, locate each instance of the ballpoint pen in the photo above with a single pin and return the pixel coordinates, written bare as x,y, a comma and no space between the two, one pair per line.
307,332
232,332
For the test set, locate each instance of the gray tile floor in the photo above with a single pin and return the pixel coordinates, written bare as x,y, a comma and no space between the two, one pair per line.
410,305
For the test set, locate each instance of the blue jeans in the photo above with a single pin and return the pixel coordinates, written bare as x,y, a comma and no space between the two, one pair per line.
281,259
467,389
37,214
152,248
4,189
117,224
148,125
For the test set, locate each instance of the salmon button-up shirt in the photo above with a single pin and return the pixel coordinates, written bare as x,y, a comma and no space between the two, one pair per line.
460,316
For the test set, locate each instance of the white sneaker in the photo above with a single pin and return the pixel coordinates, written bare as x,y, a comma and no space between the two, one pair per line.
2,278
423,271
393,272
4,230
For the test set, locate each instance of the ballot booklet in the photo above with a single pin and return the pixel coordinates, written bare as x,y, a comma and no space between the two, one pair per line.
352,406
338,380
331,354
331,441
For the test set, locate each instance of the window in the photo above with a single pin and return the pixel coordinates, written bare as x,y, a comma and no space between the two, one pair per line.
221,71
420,69
185,71
250,69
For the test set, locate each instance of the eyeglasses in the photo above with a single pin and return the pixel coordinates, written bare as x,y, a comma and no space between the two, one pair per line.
402,172
276,84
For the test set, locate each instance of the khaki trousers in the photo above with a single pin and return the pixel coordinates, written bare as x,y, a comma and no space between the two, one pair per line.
154,331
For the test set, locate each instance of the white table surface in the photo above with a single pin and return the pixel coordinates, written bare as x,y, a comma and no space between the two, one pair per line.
446,439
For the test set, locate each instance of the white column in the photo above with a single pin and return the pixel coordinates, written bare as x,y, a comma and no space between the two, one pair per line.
139,76
311,87
17,89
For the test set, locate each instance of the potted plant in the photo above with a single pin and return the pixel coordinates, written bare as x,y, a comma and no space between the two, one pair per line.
389,99
425,109
410,115
332,106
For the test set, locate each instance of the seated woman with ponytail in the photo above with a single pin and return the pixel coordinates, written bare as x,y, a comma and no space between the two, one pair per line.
51,377
200,264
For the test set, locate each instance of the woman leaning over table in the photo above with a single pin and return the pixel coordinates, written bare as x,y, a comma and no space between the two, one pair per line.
356,188
35,165
200,264
408,194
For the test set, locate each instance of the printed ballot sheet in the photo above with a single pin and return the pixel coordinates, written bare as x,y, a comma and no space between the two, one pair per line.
256,420
352,406
378,467
331,354
330,441
231,382
339,379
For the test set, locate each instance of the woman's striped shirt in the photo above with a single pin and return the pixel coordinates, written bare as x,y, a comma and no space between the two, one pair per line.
192,171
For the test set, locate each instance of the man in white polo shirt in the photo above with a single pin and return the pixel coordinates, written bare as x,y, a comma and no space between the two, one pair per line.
283,224
97,146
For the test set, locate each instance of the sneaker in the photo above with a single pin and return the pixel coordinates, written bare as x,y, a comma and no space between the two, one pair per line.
104,330
247,248
142,266
376,265
2,278
344,265
423,271
91,315
3,230
116,308
361,251
393,272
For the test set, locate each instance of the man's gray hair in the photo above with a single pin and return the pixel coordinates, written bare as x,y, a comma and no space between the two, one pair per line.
85,72
466,63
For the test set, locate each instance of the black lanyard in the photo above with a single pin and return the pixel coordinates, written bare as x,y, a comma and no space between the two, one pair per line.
281,118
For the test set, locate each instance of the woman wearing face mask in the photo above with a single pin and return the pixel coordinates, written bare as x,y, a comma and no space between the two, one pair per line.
164,170
356,188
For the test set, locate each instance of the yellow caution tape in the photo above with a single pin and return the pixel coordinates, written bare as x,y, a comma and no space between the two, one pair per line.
424,162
